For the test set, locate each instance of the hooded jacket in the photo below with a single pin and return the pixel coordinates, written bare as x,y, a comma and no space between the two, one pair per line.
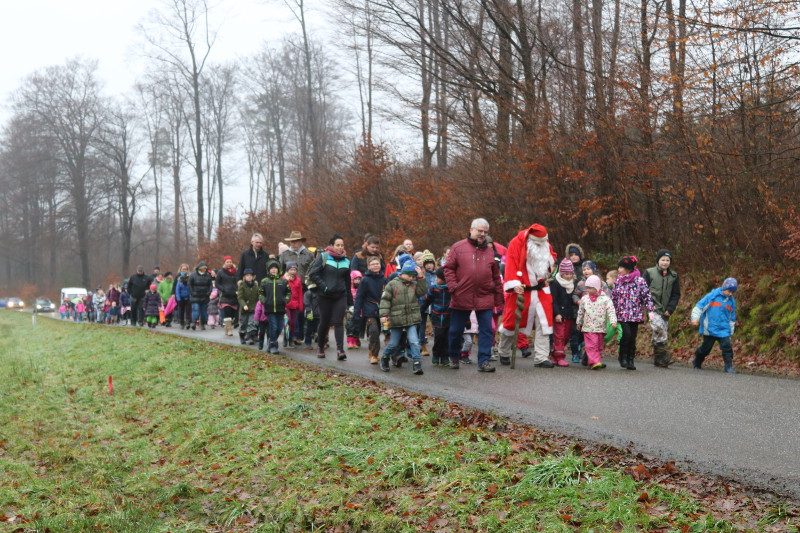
716,314
400,301
274,291
200,285
247,295
138,285
227,284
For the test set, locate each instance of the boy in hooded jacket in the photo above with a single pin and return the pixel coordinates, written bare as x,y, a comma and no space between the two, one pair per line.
438,302
716,316
274,294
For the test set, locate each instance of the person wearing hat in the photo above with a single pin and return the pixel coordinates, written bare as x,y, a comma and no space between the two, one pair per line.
303,258
137,287
399,308
165,289
226,283
152,305
254,258
666,292
200,285
565,310
330,272
631,298
716,316
596,311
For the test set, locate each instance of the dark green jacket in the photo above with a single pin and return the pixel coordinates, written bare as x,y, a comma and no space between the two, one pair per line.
664,288
400,301
247,295
275,293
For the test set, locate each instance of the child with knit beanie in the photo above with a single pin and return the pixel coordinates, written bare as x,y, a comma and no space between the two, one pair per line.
565,310
400,309
631,297
595,312
716,316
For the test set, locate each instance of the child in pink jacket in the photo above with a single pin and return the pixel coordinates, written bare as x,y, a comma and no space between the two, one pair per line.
595,311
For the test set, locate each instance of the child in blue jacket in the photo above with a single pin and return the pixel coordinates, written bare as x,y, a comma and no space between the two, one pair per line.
716,316
438,302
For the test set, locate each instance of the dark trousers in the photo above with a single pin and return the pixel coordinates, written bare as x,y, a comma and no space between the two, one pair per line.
311,328
458,322
332,313
708,343
627,344
137,310
373,331
183,312
440,344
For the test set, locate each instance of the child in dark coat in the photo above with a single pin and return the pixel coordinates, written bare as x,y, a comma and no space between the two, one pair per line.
438,301
565,310
274,294
152,304
367,302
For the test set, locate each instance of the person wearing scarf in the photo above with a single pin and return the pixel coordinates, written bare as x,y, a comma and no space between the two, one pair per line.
331,274
565,310
226,283
631,297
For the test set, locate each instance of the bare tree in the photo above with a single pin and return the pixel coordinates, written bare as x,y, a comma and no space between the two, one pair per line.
183,38
65,100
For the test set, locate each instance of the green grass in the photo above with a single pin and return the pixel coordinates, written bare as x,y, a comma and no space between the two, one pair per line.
204,437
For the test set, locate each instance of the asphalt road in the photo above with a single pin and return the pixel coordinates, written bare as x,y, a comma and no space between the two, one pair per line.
741,427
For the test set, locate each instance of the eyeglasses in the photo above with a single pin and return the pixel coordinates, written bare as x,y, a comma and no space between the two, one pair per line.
482,231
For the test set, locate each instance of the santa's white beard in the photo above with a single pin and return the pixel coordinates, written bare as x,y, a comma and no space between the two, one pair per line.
539,258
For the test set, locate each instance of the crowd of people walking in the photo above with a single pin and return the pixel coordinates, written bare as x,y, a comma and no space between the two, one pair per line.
477,293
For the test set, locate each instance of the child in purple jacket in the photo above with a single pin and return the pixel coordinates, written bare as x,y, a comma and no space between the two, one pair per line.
631,296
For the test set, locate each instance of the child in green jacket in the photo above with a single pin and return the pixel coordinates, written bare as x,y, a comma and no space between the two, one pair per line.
400,309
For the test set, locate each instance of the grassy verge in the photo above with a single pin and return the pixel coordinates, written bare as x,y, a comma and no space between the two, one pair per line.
202,437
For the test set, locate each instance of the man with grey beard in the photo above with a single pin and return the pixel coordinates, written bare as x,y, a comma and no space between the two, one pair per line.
529,262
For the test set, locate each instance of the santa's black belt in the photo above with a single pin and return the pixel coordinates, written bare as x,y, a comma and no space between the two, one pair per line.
536,287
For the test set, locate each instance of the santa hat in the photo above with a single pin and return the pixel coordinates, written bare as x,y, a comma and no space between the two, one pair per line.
538,231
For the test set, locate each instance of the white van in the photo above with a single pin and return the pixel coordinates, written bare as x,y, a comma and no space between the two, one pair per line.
71,293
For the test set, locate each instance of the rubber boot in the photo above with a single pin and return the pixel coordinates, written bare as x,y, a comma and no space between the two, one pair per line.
623,361
558,359
629,364
729,367
373,358
228,327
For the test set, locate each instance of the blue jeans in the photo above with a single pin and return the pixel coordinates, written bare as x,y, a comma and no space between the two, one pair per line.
200,311
421,329
395,334
458,322
274,326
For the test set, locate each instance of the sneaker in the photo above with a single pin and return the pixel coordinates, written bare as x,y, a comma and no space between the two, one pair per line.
544,364
485,367
341,356
576,358
308,346
416,368
385,363
454,365
505,361
321,353
598,366
466,360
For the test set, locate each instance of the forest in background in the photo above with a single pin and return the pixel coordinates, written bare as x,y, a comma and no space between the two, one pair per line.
621,125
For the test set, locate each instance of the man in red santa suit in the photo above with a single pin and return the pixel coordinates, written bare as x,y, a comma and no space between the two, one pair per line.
529,262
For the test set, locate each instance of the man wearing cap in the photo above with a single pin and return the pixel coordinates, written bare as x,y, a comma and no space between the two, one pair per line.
303,258
137,287
473,279
529,263
254,258
297,253
666,292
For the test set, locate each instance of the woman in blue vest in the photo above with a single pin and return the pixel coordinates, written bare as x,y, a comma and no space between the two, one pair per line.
331,274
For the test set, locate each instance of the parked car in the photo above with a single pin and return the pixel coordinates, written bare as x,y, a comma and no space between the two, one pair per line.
3,302
43,305
15,303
